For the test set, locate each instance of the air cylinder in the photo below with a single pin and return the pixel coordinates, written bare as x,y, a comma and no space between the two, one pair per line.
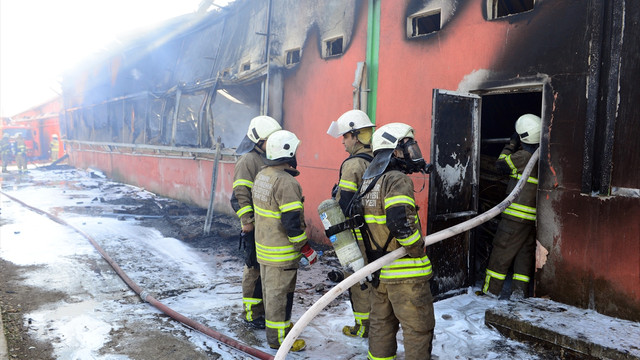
344,243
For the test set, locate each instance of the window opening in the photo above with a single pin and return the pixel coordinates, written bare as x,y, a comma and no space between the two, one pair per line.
293,56
423,24
333,47
246,66
502,8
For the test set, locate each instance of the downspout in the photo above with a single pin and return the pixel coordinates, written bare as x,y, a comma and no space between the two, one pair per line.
265,108
373,46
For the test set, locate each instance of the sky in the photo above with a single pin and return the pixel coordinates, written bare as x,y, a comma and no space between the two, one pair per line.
40,39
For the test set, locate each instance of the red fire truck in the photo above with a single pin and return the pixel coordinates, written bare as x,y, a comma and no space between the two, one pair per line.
31,138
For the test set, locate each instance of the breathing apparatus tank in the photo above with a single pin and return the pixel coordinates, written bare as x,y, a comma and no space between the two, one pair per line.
344,243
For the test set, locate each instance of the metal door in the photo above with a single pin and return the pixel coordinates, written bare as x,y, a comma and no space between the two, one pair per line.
453,185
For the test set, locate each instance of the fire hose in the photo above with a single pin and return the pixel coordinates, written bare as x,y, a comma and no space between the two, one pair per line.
353,279
145,296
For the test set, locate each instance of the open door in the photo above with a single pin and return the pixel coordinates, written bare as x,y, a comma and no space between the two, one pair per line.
453,185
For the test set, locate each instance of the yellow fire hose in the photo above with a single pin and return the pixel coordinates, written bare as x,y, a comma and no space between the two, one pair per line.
353,279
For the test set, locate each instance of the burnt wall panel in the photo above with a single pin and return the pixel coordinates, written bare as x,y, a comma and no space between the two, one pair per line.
198,55
599,270
626,152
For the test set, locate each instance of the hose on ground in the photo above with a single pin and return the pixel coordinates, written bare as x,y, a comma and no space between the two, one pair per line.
145,295
345,284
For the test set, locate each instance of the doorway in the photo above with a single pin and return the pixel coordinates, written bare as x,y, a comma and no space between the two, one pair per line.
499,114
468,134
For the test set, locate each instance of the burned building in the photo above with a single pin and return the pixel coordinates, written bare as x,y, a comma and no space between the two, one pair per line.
460,72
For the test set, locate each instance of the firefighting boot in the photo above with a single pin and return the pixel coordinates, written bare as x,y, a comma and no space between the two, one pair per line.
298,345
257,323
358,330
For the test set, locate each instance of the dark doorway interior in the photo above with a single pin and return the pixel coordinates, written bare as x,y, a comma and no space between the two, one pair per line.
498,116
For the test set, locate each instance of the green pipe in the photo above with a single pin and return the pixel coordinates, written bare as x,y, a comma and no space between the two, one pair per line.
373,46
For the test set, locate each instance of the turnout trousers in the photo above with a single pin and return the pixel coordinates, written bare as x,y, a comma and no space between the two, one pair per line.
252,293
408,304
253,306
514,243
278,286
361,301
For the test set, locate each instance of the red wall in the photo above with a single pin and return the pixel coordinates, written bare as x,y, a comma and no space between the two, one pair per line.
316,93
184,179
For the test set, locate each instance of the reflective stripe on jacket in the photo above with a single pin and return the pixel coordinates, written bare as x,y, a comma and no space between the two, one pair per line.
351,172
390,208
244,174
277,196
523,208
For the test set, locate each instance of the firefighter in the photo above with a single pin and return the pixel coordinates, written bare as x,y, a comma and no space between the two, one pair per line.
21,153
55,147
356,129
251,150
514,242
281,240
400,293
5,150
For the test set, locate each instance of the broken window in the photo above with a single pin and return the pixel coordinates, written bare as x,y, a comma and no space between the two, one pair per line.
139,113
187,120
293,56
501,8
86,124
167,120
116,120
100,123
333,47
423,24
154,124
232,109
129,118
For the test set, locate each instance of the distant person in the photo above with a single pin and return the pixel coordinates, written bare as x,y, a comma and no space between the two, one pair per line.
21,153
401,294
281,239
252,150
515,242
356,130
55,147
5,151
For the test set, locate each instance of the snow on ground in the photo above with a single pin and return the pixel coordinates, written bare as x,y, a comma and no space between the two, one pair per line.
202,285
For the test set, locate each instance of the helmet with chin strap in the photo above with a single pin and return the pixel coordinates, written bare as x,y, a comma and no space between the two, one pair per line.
353,121
528,127
391,137
281,147
260,128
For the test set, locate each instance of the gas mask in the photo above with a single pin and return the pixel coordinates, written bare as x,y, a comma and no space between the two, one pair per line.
413,161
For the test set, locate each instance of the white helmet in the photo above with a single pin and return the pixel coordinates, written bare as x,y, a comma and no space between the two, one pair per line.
281,147
387,136
350,121
260,128
54,136
528,126
387,139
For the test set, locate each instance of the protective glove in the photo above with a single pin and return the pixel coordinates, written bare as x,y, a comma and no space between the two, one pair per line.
415,251
514,142
335,276
309,254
